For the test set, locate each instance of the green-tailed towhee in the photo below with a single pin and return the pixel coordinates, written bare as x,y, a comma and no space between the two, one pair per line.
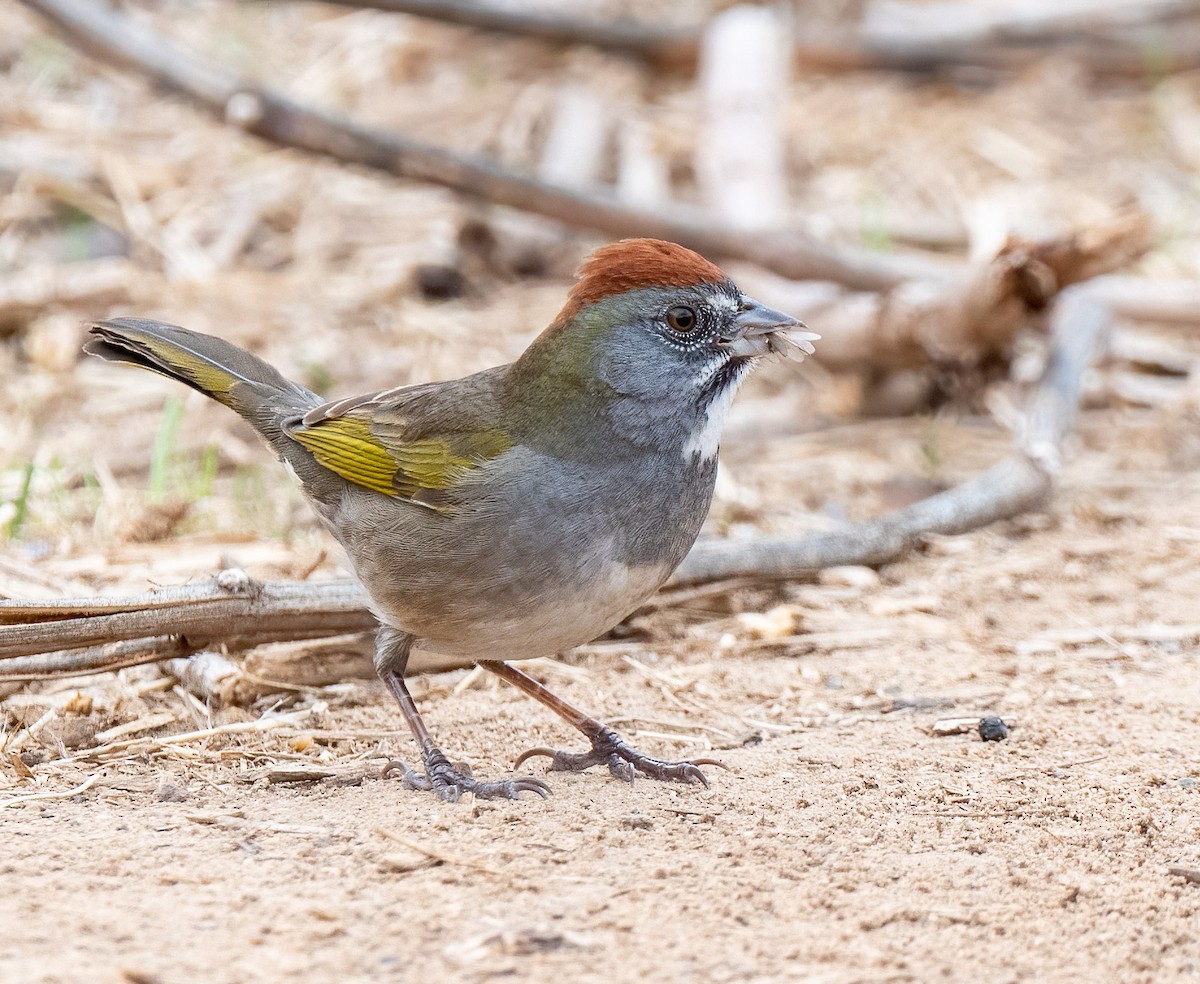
527,508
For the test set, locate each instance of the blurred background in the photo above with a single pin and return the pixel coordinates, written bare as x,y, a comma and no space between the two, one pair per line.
922,181
930,133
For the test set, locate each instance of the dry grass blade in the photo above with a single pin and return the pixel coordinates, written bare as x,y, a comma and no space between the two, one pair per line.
138,745
437,853
53,795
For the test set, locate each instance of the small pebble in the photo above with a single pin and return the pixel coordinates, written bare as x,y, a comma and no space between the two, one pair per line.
168,792
992,729
1187,783
234,579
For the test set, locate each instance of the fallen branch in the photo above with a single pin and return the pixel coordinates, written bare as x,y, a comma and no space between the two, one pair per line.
65,637
666,47
121,41
1000,40
245,610
929,312
955,324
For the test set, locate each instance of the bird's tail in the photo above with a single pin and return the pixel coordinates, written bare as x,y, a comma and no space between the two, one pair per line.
219,369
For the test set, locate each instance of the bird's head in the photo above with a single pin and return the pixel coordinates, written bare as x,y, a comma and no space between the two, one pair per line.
657,323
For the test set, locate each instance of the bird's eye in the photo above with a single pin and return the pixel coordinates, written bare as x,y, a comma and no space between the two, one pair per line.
681,318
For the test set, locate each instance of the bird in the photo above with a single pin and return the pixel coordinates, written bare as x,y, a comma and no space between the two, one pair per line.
525,509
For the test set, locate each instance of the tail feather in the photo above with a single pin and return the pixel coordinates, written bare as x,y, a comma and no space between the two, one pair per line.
230,375
215,367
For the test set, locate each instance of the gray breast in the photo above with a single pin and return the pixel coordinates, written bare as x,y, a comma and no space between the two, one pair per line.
543,555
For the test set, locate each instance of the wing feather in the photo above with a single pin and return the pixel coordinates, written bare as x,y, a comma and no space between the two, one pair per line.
391,457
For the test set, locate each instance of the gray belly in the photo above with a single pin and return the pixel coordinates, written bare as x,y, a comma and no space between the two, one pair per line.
541,556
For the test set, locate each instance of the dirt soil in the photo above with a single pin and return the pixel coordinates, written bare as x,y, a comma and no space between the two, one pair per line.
846,843
849,840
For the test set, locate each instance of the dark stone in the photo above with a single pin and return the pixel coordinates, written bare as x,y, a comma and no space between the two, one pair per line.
992,729
439,282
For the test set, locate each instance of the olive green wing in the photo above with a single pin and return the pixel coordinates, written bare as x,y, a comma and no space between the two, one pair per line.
375,444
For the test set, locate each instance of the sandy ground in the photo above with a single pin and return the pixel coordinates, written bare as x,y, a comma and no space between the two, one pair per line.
848,842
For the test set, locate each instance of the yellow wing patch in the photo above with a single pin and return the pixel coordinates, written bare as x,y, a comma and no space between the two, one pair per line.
409,469
346,446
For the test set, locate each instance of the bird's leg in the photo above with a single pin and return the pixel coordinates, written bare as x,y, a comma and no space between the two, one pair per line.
440,777
608,748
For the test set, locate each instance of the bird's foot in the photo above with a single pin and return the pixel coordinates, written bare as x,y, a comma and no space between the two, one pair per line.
623,761
449,782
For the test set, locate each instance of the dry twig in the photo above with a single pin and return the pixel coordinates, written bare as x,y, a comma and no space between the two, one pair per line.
1005,40
957,324
437,853
1190,875
141,745
52,638
660,45
52,795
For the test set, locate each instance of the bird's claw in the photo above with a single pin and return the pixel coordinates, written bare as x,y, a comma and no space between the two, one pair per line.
623,761
448,782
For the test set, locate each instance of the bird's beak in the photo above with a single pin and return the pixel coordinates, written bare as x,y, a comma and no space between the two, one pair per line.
759,330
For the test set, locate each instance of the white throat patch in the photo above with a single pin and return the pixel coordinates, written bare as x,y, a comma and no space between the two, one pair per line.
706,440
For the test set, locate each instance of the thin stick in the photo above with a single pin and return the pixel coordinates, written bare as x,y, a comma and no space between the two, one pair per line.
64,794
655,43
184,737
437,854
1007,41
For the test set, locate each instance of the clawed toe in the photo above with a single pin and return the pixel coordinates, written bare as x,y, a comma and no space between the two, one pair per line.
623,761
450,783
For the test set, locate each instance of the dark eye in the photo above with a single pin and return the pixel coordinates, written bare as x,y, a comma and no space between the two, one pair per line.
681,318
